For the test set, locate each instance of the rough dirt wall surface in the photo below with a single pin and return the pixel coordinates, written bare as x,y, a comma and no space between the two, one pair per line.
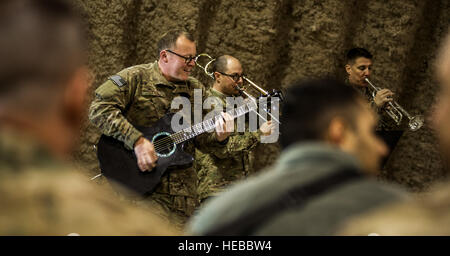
280,41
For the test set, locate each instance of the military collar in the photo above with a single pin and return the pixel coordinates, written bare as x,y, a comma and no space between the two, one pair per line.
218,94
160,80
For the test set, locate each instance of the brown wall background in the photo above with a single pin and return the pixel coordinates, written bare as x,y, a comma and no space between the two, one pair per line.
279,41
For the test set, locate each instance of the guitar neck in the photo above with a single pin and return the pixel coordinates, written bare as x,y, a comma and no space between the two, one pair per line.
209,124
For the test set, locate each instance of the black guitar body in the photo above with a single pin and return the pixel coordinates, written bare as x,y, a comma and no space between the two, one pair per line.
120,164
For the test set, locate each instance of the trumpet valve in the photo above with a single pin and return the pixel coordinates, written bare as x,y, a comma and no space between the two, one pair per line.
416,122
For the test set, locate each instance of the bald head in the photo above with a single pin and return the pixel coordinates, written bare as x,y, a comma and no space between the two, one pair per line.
223,62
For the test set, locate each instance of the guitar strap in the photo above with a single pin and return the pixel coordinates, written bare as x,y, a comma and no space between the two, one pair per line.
293,198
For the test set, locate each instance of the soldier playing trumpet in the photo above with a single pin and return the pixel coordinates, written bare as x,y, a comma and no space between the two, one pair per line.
359,64
358,67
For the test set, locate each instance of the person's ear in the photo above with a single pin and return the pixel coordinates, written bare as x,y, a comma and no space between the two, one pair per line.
163,56
348,68
336,131
217,77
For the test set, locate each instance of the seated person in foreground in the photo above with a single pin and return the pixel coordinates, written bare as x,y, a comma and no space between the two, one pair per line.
324,174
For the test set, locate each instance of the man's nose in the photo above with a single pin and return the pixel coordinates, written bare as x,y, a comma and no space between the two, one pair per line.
191,63
367,72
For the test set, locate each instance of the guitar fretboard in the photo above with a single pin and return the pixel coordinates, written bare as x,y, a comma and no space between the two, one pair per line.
209,124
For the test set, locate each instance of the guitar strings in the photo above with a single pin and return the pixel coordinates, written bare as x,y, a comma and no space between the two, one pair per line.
176,137
165,143
169,141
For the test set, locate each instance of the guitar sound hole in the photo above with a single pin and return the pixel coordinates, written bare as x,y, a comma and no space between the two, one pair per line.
164,144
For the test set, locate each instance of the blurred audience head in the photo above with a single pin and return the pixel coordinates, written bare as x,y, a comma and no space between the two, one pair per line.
42,64
441,115
326,110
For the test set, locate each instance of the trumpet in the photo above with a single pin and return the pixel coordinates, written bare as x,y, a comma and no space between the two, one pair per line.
265,93
396,112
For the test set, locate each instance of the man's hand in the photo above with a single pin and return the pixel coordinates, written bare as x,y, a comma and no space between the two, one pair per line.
224,127
267,128
145,154
382,97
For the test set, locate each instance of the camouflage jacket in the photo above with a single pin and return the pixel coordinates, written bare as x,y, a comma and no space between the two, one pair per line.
142,99
41,195
217,164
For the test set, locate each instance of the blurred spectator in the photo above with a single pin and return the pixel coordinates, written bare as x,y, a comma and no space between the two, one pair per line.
430,214
322,176
43,85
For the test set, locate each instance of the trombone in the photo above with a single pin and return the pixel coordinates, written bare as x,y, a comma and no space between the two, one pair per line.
396,112
274,93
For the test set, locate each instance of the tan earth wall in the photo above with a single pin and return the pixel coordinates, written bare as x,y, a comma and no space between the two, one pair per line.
280,41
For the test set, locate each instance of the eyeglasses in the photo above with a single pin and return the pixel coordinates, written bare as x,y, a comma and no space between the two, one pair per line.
187,59
234,76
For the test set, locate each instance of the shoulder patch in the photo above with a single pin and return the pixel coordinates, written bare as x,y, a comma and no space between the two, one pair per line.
118,80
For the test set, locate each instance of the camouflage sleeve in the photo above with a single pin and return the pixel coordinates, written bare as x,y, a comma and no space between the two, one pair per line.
208,141
244,141
106,111
237,143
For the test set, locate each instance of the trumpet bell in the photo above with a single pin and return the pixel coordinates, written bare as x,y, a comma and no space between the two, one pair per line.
416,122
395,111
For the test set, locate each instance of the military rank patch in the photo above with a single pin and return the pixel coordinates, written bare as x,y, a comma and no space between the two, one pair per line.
118,80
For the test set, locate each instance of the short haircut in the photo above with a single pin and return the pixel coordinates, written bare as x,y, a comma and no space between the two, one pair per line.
169,39
355,53
220,65
41,44
310,106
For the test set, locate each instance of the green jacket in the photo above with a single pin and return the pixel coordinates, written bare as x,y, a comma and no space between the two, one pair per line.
217,164
299,166
141,101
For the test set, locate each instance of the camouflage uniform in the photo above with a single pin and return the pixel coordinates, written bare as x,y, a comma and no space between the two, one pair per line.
217,164
141,101
41,195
